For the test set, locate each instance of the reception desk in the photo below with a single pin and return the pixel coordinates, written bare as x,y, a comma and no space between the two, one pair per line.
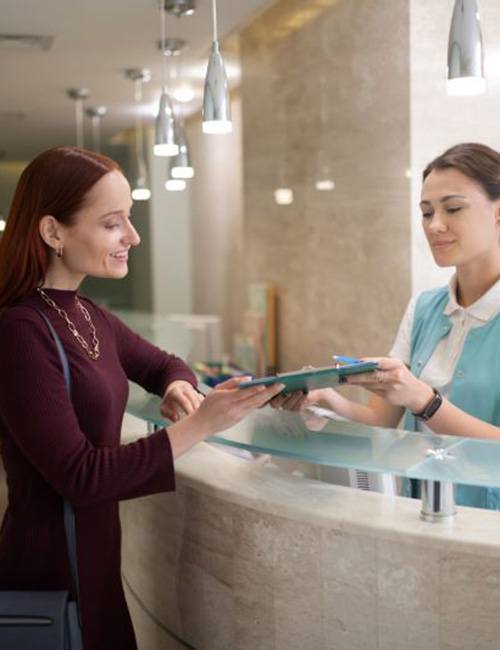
253,552
246,555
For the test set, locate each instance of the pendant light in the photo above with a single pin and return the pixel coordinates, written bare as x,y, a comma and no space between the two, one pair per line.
96,114
140,189
164,144
216,102
175,185
78,95
465,51
180,7
181,164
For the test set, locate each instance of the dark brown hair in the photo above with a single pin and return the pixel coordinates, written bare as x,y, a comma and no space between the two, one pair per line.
54,183
477,161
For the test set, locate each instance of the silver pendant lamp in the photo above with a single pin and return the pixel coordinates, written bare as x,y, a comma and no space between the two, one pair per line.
180,7
174,184
181,164
140,185
216,102
165,144
96,113
78,95
465,51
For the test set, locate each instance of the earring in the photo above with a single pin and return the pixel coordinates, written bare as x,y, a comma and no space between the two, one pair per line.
59,251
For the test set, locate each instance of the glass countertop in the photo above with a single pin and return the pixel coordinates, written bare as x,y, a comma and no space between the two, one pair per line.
321,440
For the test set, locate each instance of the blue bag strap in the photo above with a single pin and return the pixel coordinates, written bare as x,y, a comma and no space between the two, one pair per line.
69,515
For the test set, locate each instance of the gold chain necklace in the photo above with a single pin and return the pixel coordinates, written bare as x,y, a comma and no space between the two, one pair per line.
93,353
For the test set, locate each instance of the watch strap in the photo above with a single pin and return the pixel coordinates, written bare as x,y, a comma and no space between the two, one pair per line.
431,407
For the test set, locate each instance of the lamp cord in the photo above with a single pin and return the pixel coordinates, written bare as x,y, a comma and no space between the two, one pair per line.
138,118
164,63
214,16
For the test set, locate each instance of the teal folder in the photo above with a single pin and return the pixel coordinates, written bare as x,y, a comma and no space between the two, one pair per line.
312,378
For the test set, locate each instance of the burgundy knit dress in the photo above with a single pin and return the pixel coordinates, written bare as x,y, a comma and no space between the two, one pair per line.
54,448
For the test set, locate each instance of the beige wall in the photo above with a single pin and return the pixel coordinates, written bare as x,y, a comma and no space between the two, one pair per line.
340,259
217,223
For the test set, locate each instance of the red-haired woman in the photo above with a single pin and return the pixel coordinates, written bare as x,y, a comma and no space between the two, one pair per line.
70,217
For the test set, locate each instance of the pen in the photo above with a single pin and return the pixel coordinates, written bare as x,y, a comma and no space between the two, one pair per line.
341,359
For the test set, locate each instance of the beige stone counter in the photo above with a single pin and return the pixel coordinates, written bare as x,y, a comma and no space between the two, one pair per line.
246,556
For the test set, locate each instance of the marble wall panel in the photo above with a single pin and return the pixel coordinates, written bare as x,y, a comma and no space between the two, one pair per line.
153,572
149,635
469,593
369,575
254,548
408,596
321,96
298,606
206,555
349,586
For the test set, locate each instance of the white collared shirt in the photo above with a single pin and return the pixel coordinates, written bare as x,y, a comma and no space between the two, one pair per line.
439,369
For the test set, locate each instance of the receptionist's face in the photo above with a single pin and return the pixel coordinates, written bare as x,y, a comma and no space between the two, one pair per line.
461,223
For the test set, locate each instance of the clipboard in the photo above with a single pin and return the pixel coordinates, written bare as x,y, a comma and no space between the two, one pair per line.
309,379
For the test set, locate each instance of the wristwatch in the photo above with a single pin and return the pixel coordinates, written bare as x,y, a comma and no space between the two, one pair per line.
431,407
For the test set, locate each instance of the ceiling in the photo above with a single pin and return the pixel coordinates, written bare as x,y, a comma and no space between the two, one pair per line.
94,42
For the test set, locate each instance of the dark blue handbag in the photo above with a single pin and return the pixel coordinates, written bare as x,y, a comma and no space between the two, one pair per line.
45,620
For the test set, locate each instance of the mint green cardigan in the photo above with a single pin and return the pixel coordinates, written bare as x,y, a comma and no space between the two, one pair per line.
475,386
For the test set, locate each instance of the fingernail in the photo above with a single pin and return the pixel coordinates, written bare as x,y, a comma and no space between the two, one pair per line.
281,386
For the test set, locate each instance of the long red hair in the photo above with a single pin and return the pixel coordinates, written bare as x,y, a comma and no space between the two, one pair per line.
54,183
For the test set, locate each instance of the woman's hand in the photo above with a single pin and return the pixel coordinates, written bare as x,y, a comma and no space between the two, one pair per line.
180,399
298,400
394,382
223,407
227,404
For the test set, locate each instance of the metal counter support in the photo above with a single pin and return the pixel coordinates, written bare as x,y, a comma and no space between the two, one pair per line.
438,501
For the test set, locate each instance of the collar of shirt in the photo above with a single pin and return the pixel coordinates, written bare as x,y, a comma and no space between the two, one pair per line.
483,309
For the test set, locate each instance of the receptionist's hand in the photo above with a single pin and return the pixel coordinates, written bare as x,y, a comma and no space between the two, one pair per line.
395,383
180,399
296,401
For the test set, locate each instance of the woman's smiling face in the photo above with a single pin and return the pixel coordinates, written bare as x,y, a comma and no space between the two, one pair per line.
461,223
98,241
